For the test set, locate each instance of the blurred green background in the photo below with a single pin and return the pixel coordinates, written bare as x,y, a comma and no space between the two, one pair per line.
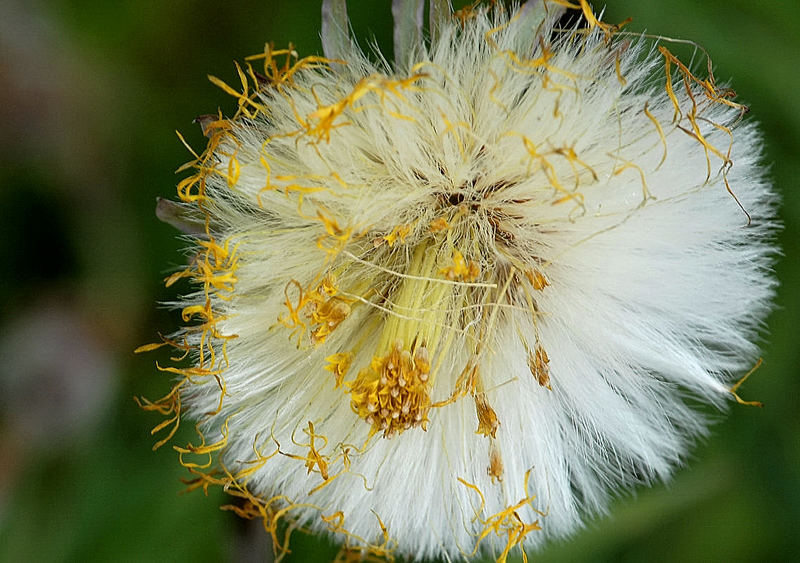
91,93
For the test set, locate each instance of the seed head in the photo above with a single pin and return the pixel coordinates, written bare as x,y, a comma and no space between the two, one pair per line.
453,303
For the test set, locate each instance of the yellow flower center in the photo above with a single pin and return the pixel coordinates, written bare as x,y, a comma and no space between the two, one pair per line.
392,394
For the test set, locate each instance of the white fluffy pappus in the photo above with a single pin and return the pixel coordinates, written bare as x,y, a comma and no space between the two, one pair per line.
451,305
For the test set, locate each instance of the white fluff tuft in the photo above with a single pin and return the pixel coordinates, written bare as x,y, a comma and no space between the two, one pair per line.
612,250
